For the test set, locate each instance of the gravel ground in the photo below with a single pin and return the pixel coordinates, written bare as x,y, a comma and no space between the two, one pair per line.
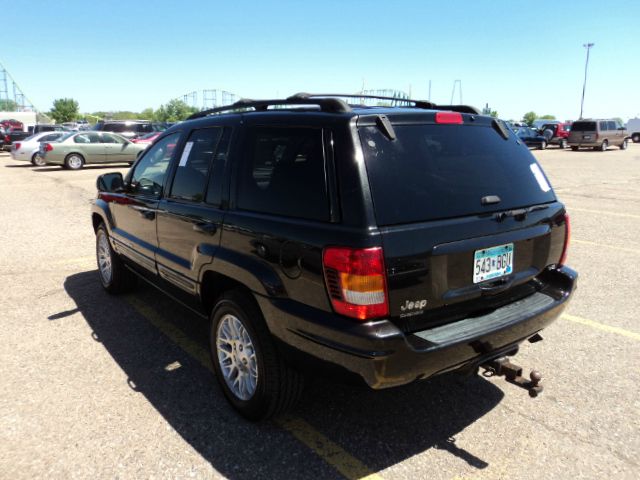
95,386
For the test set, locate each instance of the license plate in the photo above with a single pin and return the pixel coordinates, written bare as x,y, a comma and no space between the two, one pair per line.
586,137
494,262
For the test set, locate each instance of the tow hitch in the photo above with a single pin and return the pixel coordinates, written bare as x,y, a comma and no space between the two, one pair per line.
513,374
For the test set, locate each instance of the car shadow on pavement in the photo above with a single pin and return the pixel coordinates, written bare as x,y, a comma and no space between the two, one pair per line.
22,165
380,428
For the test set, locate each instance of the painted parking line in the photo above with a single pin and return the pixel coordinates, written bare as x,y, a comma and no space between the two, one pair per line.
603,212
329,451
604,245
602,326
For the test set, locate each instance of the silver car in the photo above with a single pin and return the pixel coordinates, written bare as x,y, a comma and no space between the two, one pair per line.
28,149
75,150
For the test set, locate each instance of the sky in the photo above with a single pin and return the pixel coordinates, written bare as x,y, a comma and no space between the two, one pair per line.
515,56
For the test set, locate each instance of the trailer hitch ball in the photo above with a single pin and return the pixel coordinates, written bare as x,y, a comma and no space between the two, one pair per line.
534,386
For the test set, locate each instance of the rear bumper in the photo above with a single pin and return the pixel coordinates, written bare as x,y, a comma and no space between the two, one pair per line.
383,356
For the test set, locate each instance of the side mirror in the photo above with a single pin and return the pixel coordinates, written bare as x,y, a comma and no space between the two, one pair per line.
110,182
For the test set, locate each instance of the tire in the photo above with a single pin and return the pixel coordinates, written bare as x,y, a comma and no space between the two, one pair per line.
624,144
563,144
543,145
604,145
114,276
74,161
275,387
37,160
635,137
575,149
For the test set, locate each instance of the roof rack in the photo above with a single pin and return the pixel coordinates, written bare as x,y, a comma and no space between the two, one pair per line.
328,102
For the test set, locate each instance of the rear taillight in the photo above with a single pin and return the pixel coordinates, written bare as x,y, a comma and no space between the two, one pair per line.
449,117
17,145
356,281
567,237
48,147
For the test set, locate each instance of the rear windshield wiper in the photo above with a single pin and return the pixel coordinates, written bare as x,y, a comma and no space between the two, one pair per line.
518,213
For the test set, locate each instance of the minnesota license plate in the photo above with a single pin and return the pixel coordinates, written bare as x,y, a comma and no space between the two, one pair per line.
494,262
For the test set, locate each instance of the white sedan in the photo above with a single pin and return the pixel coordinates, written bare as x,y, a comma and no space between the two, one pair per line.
28,148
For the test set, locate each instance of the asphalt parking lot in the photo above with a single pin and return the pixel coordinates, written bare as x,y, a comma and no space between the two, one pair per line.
99,386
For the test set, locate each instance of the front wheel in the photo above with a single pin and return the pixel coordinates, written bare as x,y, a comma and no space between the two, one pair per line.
575,149
635,137
74,161
114,276
624,144
251,372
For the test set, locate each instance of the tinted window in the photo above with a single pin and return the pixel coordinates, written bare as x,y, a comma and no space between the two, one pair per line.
284,173
583,127
193,168
603,126
443,171
148,175
214,190
611,125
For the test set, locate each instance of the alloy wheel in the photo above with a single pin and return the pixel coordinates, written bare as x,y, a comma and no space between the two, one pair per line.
237,357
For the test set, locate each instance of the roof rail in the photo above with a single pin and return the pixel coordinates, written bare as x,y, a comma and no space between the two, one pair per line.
333,105
328,102
416,103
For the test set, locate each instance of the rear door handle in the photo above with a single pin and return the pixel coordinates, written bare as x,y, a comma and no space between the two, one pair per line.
205,227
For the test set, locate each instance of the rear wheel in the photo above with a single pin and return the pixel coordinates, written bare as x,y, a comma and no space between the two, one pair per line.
604,145
624,144
74,161
251,372
635,137
37,160
114,276
543,145
575,149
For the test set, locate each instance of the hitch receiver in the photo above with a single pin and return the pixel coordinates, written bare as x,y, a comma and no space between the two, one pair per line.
513,374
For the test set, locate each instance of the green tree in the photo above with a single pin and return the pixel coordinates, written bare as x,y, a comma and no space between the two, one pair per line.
8,106
548,117
146,114
64,110
494,113
174,111
529,117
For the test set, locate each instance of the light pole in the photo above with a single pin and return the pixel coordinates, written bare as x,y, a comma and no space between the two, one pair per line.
584,85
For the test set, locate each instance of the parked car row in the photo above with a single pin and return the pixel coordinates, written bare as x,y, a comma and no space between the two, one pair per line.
598,134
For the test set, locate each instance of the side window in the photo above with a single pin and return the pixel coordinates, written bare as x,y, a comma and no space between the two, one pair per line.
283,173
611,124
82,138
191,174
150,171
50,138
214,189
603,126
108,138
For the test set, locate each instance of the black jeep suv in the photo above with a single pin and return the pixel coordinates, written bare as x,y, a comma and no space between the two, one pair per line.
393,243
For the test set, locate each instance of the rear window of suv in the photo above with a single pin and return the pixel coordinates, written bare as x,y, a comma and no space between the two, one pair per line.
583,127
442,171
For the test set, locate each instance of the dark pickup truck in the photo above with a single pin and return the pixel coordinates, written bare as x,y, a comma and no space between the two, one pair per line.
13,136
